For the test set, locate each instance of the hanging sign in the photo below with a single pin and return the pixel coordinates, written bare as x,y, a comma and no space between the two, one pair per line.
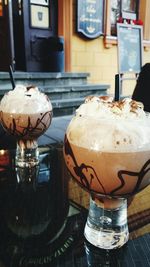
90,15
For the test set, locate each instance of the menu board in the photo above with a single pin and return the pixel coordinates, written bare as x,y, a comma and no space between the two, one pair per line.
90,14
130,48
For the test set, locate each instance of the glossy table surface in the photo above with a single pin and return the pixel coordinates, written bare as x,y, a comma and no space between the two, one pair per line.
42,224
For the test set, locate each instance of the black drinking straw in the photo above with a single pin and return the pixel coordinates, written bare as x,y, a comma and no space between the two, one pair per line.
11,77
117,87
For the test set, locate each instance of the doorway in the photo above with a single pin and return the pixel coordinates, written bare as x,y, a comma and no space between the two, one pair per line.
25,29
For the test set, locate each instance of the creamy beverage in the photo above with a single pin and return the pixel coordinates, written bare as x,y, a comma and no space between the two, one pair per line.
108,173
25,112
26,126
107,146
107,151
36,206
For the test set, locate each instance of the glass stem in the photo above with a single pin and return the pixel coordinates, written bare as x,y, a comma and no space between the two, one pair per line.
106,225
27,153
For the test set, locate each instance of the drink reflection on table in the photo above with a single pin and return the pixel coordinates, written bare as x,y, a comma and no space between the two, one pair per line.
29,211
97,257
34,198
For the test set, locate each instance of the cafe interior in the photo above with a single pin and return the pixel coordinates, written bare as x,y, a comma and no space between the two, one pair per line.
74,133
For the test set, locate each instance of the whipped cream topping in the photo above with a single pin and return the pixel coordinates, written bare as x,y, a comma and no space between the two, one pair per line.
104,106
25,100
114,126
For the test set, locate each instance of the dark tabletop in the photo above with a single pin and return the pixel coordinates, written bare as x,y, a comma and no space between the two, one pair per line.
42,224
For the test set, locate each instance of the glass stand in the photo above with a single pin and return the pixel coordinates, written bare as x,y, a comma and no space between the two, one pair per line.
27,153
106,225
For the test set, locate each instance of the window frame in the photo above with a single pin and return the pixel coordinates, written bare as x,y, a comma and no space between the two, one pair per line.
144,15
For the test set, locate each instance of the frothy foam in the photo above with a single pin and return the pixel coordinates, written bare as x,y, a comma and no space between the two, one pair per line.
104,125
25,100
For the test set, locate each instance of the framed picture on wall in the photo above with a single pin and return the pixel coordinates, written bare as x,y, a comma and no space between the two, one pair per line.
40,2
39,16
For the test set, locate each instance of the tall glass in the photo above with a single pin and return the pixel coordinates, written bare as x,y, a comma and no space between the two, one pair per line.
103,160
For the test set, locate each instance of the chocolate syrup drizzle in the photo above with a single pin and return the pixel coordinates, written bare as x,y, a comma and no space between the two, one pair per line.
29,130
79,171
139,175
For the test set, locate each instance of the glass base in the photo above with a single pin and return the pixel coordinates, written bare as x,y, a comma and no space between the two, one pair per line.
27,153
106,225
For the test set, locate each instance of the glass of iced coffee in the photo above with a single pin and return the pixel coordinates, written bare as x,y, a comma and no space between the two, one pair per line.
26,113
107,151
